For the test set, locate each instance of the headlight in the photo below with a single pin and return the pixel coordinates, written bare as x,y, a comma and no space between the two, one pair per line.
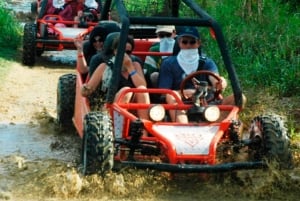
211,113
157,113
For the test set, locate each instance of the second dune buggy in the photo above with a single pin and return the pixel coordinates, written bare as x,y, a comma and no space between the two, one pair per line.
51,32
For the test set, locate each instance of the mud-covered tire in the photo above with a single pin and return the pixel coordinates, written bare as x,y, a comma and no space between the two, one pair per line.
97,145
34,7
43,8
272,142
66,99
39,52
29,44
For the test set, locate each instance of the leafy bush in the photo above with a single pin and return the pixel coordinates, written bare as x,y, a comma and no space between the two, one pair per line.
263,38
11,31
292,4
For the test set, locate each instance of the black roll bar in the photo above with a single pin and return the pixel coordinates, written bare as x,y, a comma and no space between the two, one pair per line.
205,20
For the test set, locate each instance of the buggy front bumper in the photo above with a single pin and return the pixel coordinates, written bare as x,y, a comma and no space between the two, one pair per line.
196,168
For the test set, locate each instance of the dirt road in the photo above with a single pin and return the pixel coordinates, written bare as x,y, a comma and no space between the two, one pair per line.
38,162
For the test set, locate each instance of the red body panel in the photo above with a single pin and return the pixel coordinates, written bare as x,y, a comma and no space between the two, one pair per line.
127,113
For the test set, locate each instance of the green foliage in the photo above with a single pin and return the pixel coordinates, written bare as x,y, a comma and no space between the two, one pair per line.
264,41
146,8
292,4
11,31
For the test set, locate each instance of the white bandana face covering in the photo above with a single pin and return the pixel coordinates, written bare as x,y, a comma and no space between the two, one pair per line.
188,60
166,45
91,4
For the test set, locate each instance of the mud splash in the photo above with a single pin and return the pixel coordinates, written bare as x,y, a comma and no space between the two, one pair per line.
38,160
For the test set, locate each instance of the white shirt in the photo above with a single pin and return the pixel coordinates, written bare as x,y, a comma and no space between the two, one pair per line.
58,3
91,4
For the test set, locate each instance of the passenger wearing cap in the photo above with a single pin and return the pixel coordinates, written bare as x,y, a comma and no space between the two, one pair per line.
166,35
175,68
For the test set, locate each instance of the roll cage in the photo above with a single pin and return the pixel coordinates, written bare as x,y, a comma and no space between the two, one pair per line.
203,20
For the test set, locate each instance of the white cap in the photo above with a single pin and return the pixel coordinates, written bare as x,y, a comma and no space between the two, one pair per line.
165,28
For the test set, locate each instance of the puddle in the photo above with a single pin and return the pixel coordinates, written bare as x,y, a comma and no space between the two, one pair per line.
19,5
36,143
67,57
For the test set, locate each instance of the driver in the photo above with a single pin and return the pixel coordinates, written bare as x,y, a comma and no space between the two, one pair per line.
93,9
174,69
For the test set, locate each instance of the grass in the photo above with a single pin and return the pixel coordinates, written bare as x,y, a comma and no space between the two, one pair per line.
10,39
3,69
11,35
264,45
7,58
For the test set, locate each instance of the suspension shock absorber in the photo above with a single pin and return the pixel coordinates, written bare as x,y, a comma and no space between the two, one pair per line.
235,133
135,131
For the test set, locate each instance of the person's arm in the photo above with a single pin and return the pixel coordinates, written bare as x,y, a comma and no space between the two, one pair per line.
66,12
135,71
94,81
211,66
81,64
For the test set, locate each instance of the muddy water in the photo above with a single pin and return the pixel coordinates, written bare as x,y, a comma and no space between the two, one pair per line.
34,143
19,139
67,57
19,5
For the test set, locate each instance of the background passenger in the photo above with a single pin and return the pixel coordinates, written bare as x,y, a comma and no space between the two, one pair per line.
87,11
166,35
61,8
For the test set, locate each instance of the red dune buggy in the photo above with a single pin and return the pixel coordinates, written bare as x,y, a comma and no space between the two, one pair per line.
210,142
51,31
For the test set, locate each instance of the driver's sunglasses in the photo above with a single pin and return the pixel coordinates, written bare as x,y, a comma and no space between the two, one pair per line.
191,42
164,35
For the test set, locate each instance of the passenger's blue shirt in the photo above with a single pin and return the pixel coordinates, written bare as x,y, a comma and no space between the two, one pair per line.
171,74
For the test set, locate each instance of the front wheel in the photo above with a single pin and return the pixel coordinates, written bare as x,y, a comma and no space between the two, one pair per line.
270,140
66,99
29,44
97,145
34,8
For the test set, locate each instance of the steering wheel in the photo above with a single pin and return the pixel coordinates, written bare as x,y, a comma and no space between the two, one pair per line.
217,93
